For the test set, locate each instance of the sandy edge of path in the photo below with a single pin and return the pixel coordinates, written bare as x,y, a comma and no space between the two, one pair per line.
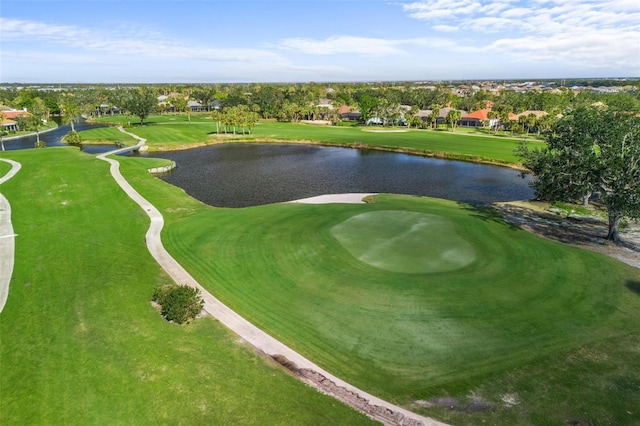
310,373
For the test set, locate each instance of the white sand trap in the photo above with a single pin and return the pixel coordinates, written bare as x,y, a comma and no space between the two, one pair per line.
407,242
352,198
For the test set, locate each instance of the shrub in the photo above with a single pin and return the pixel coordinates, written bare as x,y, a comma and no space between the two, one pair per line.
73,138
179,304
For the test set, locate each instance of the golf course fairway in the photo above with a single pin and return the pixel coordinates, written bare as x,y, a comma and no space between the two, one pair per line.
453,302
505,300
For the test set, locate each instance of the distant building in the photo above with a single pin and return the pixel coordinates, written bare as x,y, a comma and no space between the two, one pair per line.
480,118
9,123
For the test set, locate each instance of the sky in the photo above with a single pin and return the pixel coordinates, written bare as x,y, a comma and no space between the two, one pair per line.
242,41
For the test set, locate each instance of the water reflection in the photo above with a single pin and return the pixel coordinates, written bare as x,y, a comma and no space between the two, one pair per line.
240,175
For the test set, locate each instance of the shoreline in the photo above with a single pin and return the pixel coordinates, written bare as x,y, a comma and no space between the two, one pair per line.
354,145
9,138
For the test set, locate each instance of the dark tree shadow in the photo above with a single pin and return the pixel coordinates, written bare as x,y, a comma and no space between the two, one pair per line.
634,286
487,214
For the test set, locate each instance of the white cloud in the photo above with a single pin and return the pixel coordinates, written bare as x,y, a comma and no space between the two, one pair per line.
586,33
135,44
342,44
374,46
445,28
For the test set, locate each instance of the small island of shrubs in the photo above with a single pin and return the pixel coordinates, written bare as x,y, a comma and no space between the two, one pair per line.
179,304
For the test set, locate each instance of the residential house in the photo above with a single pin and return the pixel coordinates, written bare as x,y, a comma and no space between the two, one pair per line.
480,118
9,125
348,113
324,103
196,106
10,122
424,114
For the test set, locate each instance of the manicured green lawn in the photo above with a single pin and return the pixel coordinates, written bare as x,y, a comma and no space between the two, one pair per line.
4,167
107,135
502,316
516,320
80,342
175,132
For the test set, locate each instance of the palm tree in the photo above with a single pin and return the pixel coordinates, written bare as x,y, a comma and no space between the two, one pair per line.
216,116
453,116
70,111
39,113
435,113
3,132
492,115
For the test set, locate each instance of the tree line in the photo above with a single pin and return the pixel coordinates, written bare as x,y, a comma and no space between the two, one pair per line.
295,102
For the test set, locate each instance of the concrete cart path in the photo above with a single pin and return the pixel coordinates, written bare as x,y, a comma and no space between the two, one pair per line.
372,406
7,237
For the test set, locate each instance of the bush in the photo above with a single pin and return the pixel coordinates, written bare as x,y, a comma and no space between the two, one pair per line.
72,138
179,304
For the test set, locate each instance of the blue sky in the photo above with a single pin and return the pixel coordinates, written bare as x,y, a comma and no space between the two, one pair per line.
209,41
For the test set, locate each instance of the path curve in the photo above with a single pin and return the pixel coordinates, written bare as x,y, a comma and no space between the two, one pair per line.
7,237
309,372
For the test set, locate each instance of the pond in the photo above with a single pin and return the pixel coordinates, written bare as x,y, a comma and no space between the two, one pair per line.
243,175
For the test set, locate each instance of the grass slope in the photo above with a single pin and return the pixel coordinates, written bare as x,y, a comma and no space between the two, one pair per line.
174,132
519,319
80,342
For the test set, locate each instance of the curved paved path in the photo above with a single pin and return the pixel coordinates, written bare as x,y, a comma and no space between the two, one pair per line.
7,237
374,407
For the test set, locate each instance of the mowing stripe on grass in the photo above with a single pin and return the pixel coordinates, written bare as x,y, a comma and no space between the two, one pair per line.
401,241
7,237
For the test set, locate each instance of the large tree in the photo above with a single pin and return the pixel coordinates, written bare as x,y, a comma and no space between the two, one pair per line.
591,150
142,102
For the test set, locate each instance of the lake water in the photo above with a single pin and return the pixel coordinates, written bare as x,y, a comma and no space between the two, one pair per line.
242,175
51,137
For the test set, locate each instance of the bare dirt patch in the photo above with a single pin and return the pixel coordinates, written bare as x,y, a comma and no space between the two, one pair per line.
586,232
474,404
327,386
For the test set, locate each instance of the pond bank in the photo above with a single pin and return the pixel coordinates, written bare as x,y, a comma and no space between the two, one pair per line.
356,145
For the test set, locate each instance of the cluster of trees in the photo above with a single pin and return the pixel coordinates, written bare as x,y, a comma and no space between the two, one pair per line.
229,119
592,151
293,102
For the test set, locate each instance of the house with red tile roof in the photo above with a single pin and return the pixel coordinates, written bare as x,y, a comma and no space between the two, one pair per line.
9,122
480,118
348,113
12,114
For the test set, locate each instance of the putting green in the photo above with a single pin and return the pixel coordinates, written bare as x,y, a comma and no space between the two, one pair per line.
403,241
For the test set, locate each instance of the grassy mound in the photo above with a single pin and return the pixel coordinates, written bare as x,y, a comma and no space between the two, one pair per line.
406,242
